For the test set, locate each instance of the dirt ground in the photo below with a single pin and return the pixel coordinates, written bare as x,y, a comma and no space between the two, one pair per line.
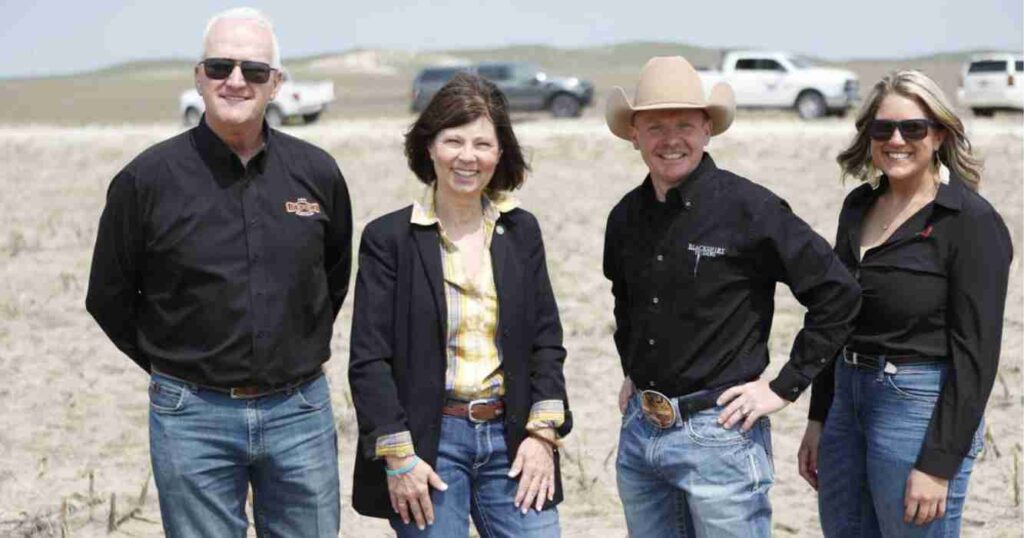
73,407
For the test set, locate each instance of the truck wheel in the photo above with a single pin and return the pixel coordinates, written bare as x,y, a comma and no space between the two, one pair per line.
192,116
982,112
274,117
310,118
565,106
810,105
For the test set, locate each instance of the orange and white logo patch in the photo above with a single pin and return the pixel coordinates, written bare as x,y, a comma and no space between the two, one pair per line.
302,207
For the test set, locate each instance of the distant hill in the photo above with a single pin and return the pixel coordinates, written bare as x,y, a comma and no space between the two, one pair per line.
370,82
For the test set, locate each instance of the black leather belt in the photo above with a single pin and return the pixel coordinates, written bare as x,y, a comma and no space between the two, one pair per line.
246,392
887,363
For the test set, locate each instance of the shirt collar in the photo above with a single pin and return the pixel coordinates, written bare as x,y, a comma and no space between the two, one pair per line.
212,148
424,212
688,187
949,196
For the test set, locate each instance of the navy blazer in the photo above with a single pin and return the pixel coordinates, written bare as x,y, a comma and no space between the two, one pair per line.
398,362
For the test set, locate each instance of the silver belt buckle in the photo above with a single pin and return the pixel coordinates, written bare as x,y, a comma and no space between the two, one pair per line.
658,409
469,410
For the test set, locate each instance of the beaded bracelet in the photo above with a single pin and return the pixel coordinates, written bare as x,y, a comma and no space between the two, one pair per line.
405,468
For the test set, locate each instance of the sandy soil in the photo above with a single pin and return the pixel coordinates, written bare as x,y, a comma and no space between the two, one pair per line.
73,407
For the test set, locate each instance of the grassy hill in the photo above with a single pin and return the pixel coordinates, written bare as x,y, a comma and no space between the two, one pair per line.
368,82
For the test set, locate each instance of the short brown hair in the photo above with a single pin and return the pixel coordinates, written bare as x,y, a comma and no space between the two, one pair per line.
464,99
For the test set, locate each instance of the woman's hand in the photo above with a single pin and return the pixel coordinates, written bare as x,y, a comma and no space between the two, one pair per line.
625,393
807,456
751,400
410,492
535,460
925,498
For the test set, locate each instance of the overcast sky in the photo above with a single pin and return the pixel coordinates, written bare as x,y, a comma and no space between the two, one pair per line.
49,37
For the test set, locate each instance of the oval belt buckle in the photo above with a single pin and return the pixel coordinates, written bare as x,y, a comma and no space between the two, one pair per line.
658,409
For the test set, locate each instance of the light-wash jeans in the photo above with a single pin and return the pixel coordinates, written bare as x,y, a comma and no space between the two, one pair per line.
696,479
473,460
207,449
872,437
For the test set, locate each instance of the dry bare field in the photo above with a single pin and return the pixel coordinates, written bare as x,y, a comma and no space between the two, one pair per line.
74,408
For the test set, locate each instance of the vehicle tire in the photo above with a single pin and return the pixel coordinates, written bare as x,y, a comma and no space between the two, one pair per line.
192,116
564,106
983,112
310,118
810,105
274,116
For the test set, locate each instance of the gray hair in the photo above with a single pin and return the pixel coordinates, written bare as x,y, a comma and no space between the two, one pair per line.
955,152
245,14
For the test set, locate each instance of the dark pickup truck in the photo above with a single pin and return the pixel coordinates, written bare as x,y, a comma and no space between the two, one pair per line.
525,86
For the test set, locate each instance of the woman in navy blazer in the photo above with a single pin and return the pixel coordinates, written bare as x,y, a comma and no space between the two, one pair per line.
423,451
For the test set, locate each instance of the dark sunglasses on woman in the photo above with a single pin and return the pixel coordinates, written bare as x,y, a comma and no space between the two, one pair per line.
881,130
221,68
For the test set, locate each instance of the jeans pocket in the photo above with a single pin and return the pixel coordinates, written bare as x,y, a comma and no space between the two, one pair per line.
920,387
166,397
314,395
704,430
632,410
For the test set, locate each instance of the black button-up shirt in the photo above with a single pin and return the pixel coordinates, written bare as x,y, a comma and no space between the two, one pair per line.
936,289
694,284
219,273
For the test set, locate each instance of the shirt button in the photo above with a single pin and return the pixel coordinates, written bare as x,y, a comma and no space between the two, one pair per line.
651,341
660,258
823,360
499,229
259,334
252,222
654,300
794,390
687,204
650,384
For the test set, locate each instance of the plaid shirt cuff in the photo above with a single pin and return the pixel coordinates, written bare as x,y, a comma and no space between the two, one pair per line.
397,445
546,414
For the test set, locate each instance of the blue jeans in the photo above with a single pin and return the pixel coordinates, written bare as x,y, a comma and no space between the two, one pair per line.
473,460
207,449
874,431
695,479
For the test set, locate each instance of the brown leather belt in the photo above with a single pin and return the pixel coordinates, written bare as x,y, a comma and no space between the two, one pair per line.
475,411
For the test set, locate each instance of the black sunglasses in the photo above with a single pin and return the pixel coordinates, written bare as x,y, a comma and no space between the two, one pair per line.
221,68
881,130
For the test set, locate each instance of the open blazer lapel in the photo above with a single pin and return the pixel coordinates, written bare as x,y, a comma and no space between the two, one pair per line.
429,245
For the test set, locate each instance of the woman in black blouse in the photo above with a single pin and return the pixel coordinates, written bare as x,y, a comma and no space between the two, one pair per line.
905,398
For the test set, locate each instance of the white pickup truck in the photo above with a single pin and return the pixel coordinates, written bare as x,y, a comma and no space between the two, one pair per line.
781,80
306,100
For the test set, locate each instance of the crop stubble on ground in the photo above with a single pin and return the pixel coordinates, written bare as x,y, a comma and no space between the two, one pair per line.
73,405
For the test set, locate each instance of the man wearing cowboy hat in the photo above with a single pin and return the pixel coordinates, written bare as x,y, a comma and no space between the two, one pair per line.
694,254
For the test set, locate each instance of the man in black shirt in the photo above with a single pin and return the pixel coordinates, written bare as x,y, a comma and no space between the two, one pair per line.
222,258
694,254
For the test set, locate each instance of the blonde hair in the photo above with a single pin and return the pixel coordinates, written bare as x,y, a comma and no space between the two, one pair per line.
245,14
955,152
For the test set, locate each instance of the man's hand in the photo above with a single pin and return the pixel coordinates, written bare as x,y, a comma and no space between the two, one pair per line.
535,460
410,492
925,498
807,456
625,393
751,400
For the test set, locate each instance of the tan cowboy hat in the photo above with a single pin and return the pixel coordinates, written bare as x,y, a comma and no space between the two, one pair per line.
668,82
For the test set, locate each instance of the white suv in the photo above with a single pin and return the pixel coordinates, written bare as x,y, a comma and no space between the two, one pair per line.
992,82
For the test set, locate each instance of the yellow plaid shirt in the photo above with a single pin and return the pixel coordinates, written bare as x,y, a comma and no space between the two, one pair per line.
473,356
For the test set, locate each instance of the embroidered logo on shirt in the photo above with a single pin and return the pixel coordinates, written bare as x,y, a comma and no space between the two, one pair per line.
704,250
302,207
